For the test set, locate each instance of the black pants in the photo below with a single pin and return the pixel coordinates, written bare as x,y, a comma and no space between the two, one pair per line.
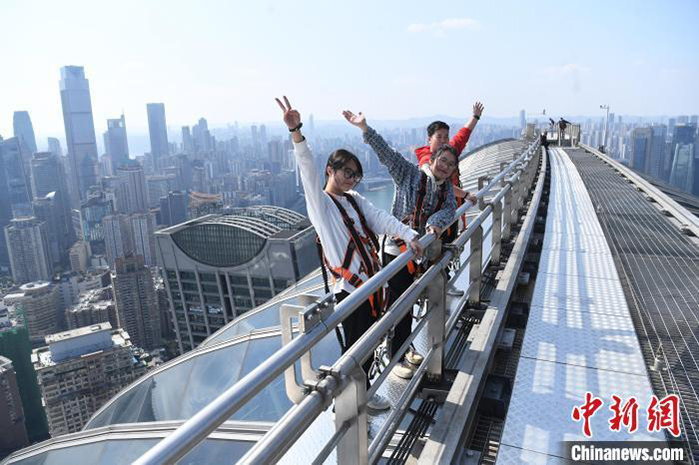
397,285
355,326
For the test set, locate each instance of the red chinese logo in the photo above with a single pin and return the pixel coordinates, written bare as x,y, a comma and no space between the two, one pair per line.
664,414
586,411
661,413
626,415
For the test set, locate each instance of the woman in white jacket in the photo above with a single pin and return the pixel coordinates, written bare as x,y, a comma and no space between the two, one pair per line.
345,222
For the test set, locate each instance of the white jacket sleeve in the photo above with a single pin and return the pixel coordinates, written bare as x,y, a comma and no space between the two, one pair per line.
315,197
382,222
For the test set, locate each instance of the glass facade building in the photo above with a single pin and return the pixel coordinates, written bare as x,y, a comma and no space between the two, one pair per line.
219,266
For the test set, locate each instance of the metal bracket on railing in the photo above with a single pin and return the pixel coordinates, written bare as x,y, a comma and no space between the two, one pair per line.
308,317
350,408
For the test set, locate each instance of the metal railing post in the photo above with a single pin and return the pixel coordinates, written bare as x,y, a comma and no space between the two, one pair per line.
437,301
476,265
496,233
507,213
482,181
350,407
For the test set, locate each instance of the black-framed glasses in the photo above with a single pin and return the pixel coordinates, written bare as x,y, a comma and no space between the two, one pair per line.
350,174
445,160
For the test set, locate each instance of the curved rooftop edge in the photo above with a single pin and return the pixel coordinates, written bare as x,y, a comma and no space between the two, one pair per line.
246,229
154,405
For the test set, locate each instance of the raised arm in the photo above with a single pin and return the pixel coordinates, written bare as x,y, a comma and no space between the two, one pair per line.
304,158
461,138
398,167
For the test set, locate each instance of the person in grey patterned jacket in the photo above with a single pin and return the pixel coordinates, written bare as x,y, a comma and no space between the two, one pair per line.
428,186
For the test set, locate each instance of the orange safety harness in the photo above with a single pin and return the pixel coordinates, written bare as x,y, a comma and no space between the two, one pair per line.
366,246
419,213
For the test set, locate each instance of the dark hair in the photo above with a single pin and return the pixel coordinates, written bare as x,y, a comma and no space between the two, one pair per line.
445,148
340,158
436,126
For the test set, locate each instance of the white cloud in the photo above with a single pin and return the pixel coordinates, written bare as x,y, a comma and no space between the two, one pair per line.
442,27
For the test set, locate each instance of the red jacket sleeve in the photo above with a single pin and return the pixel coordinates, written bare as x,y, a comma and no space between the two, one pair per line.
460,139
423,155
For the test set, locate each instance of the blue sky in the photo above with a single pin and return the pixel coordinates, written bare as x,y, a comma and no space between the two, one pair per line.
226,60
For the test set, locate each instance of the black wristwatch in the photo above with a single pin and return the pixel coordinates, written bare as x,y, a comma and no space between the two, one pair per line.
476,116
296,128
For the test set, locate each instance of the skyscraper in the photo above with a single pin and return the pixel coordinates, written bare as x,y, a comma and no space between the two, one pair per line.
12,424
16,177
136,302
143,236
683,135
28,247
116,144
657,150
92,211
24,131
640,149
157,128
118,238
55,146
80,370
80,131
48,177
522,119
134,184
187,144
173,208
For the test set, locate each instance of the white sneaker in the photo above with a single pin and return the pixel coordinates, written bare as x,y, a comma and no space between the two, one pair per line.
454,292
404,369
377,403
413,357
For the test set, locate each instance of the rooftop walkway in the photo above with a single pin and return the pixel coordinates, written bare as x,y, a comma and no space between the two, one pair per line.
579,337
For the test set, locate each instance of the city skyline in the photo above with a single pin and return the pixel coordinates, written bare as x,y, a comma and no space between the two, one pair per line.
619,53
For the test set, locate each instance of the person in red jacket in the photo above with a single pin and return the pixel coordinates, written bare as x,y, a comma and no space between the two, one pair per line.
437,136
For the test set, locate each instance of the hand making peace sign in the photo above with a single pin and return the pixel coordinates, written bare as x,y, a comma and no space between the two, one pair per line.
292,117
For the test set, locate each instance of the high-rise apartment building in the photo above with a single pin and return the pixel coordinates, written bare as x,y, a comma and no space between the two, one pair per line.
116,144
28,246
157,129
92,211
12,422
133,182
143,236
40,307
218,266
118,238
80,131
136,301
80,370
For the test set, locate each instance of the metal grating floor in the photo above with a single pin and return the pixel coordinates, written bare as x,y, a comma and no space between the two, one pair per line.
659,270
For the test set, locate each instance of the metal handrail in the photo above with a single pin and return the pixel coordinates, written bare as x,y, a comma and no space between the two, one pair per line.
292,425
